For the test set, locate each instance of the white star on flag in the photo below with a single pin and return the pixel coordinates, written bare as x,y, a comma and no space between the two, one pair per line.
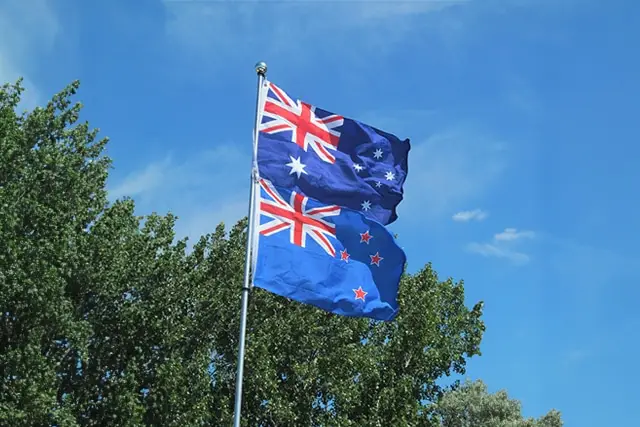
390,176
357,167
377,154
378,184
366,205
296,166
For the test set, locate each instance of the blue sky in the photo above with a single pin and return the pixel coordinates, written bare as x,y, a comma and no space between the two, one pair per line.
523,120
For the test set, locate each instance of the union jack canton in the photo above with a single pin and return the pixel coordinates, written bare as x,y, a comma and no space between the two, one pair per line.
295,217
301,123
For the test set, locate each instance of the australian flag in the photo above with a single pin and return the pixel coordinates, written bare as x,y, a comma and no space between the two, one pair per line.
330,157
328,186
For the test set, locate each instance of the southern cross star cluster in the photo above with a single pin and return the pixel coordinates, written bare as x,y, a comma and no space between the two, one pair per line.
298,168
375,260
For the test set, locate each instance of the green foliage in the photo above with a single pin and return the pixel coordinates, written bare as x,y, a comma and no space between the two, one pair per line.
471,405
107,320
51,187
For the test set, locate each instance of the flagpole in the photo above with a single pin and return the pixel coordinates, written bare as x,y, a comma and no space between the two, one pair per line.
261,70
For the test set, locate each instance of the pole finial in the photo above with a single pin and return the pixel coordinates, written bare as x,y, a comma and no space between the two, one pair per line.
261,68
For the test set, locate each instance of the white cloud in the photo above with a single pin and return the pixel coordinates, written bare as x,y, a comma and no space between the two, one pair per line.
465,216
496,251
27,28
204,218
202,190
144,181
503,246
512,234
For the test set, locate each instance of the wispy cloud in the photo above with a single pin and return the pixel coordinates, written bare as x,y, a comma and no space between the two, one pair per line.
496,251
465,216
520,94
591,271
575,355
202,190
510,234
503,245
26,30
203,27
450,168
144,181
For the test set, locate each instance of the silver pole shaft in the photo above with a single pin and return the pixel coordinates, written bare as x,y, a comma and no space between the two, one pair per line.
261,70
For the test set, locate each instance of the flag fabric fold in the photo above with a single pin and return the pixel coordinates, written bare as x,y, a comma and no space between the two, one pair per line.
328,187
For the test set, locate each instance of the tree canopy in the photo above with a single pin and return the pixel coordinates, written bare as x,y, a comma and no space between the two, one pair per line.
107,319
471,405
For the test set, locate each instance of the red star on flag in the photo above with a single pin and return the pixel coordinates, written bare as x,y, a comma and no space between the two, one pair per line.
365,237
375,259
344,256
360,294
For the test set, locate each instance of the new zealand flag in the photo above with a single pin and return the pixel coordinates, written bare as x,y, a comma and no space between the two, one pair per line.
328,185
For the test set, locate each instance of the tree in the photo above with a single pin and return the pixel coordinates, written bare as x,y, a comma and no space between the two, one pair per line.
108,320
471,405
51,188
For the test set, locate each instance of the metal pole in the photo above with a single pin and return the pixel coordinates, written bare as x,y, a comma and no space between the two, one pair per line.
261,70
